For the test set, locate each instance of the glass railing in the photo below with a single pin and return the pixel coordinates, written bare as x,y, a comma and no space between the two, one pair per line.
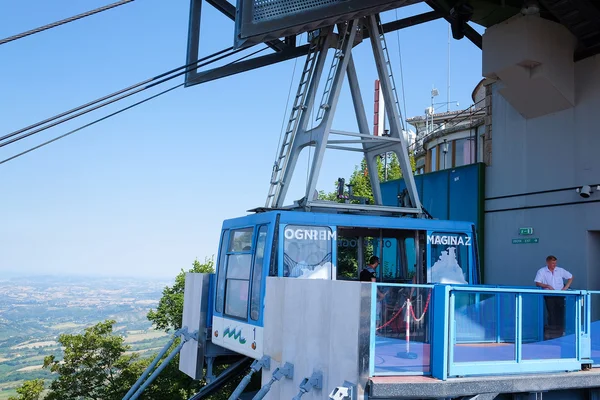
401,329
448,331
593,319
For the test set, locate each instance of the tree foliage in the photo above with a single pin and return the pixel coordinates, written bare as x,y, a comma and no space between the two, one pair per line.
30,390
169,312
94,365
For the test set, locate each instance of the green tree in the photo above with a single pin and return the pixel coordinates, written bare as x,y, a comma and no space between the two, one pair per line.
168,314
167,317
94,365
30,390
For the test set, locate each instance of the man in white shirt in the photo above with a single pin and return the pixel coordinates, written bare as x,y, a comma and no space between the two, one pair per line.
552,277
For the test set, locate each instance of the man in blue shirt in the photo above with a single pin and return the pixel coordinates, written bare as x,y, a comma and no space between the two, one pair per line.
552,277
368,273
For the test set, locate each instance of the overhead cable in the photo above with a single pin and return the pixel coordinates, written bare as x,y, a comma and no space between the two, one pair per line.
64,21
115,113
138,89
115,94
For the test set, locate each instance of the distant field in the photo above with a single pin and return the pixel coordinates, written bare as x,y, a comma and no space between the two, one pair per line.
66,325
139,336
30,368
35,344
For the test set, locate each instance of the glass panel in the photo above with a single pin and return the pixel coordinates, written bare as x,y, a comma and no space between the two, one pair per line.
459,157
259,258
221,268
236,304
241,240
595,327
479,320
397,350
450,258
446,156
347,257
465,151
411,257
433,159
390,263
238,266
307,251
556,337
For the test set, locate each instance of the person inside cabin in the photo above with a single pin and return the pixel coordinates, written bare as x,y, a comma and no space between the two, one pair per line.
552,277
368,273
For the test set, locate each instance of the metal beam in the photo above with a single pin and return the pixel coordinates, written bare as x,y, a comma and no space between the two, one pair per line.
247,65
228,10
292,52
223,6
410,21
585,52
470,33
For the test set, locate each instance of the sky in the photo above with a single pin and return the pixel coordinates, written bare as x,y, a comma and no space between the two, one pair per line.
145,193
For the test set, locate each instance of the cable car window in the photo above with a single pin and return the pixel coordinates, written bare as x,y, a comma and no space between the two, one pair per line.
221,273
241,240
238,266
307,251
257,273
239,260
450,257
236,303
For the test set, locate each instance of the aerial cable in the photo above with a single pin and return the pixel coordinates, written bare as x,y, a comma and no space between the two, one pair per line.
114,94
138,90
64,21
115,113
401,68
91,123
287,103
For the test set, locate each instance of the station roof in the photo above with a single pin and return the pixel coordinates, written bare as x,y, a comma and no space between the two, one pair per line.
580,17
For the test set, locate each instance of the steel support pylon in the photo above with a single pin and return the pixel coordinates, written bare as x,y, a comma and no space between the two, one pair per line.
299,136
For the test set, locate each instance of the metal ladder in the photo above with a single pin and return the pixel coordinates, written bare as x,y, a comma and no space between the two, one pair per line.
281,161
388,64
334,63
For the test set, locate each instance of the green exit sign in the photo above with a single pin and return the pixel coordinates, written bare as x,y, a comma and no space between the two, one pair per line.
525,231
525,241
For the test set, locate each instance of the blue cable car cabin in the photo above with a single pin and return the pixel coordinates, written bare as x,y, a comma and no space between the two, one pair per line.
307,245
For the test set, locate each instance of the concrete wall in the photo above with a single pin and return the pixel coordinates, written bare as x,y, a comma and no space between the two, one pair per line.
557,153
314,324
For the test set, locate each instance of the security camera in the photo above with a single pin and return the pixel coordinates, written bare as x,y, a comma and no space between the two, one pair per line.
585,191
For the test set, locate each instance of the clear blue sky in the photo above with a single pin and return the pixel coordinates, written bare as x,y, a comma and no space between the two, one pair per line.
145,192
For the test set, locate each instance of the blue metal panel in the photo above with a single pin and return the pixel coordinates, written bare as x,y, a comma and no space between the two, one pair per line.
435,194
440,346
390,191
463,202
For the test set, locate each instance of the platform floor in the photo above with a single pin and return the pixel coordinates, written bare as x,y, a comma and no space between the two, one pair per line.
422,387
393,356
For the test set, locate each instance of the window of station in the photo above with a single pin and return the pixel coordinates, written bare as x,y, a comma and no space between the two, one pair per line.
307,251
237,275
257,272
395,248
449,257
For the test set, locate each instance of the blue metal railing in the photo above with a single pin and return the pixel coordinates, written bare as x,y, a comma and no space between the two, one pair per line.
459,330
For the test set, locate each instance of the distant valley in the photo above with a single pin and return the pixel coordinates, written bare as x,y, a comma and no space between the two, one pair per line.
34,311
